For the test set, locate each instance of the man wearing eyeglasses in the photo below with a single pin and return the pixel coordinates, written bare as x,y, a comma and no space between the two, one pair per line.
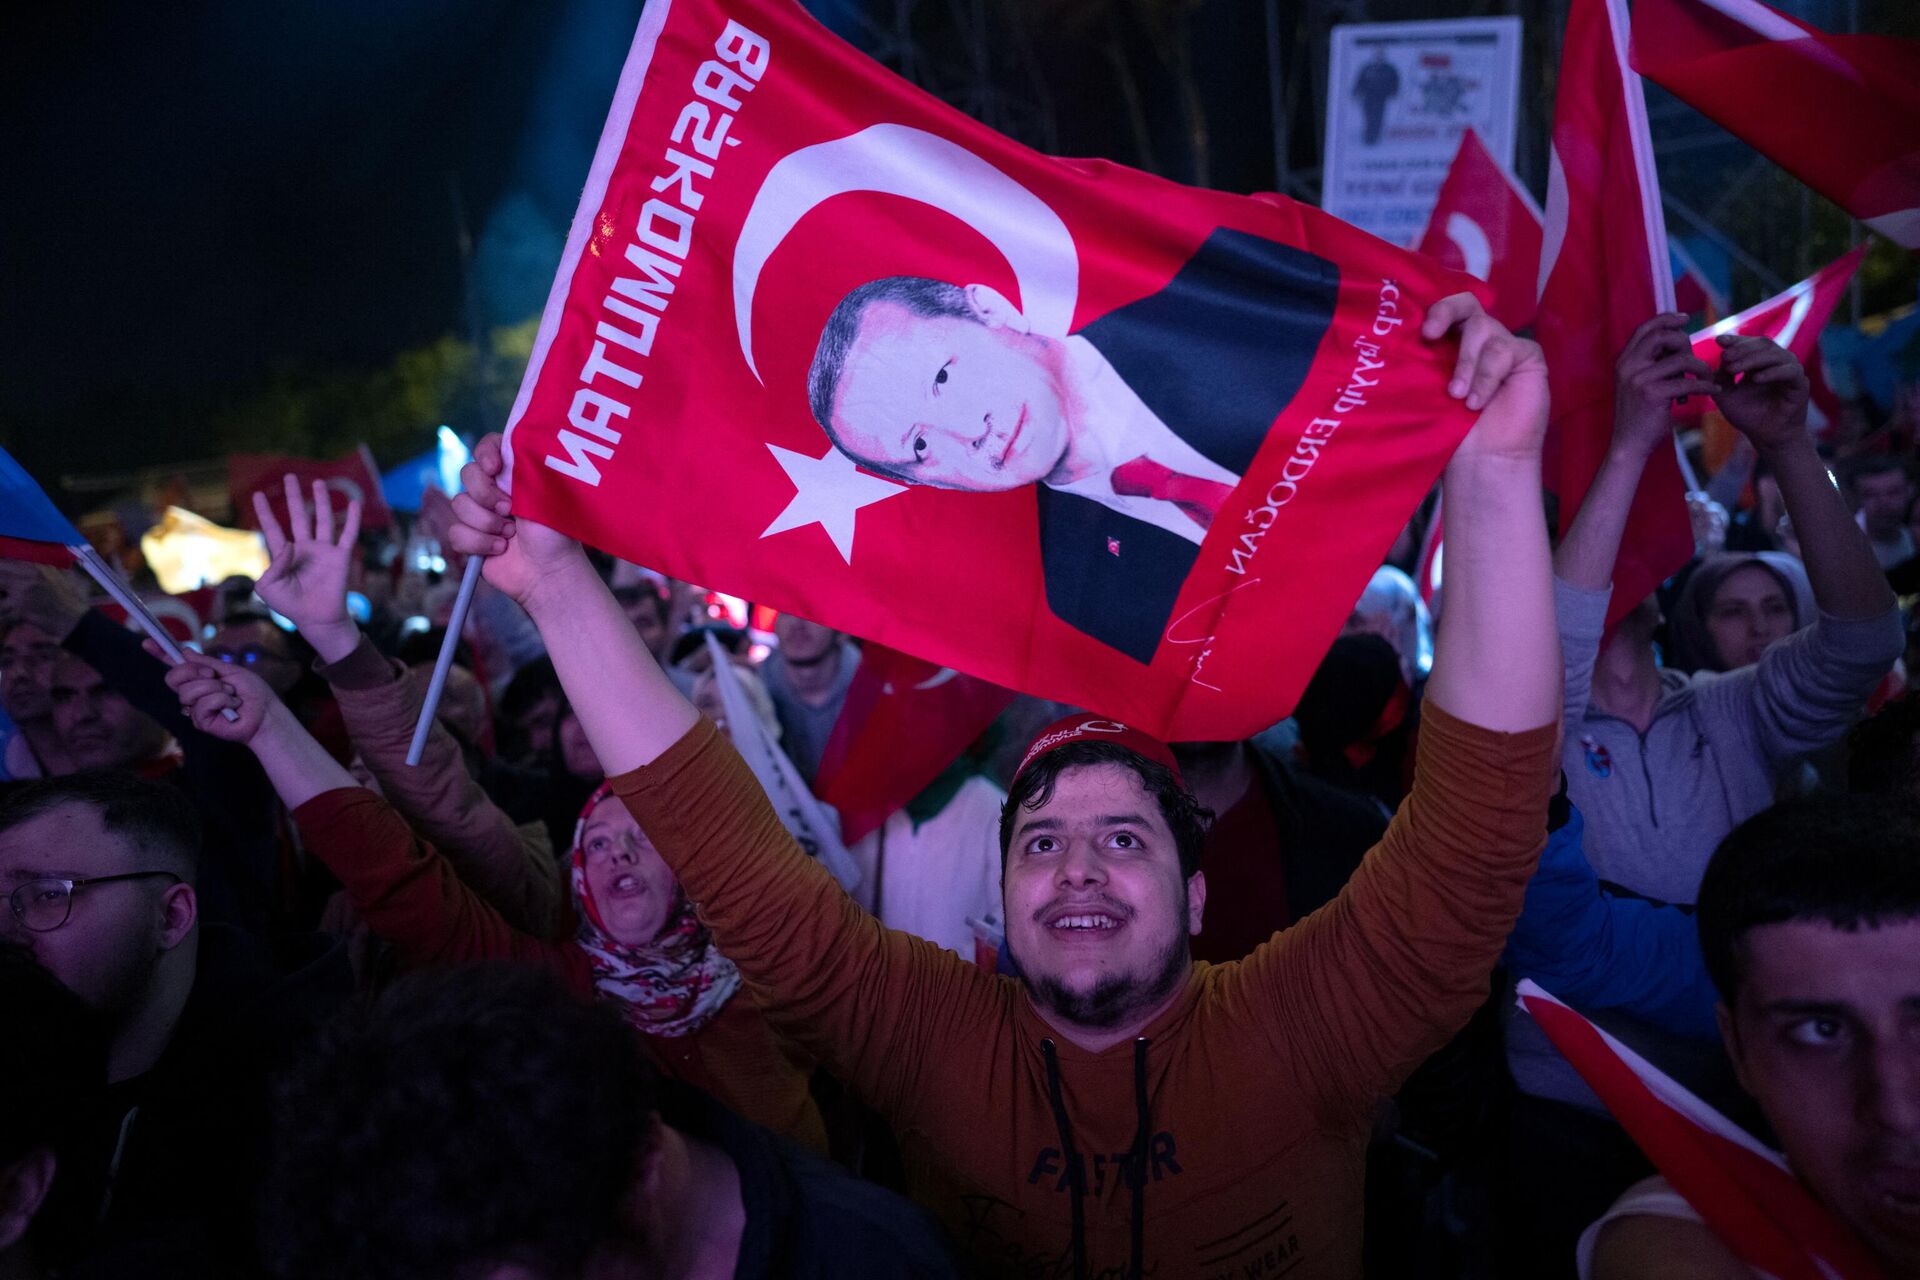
97,883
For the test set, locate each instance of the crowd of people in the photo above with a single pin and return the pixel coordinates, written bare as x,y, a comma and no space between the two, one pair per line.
568,999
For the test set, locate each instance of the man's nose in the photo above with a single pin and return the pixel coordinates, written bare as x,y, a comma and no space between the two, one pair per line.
1893,1088
1081,866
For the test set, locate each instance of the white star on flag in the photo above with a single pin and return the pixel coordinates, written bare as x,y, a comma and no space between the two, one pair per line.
828,491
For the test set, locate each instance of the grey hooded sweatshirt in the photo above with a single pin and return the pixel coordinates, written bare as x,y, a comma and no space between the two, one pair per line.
1657,804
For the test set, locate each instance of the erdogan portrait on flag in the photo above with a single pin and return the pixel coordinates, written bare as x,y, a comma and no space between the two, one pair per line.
1133,430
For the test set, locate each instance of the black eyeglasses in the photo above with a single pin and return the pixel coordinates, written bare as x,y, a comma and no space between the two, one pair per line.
44,905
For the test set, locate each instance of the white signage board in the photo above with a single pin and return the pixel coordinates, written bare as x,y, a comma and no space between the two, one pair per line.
1400,95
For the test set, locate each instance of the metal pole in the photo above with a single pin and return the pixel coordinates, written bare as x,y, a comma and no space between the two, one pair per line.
456,623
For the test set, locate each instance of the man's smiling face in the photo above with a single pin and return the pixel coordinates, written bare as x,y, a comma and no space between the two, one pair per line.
1097,909
950,401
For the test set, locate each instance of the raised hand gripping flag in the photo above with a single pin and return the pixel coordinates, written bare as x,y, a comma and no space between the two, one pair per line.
1603,270
1486,224
1838,112
823,342
1793,318
1742,1190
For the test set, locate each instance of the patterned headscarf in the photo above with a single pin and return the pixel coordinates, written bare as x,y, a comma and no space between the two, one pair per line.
670,986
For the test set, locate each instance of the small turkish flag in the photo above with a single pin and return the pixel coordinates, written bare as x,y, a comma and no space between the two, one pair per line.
1838,112
1742,1190
1604,269
1793,318
1485,224
903,722
353,476
823,342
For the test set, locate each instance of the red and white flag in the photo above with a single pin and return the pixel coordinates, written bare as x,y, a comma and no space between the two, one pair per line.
1603,270
822,341
1486,224
1835,111
354,476
1793,318
904,721
1742,1190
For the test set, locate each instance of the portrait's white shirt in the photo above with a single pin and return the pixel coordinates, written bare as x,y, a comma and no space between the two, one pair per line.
1120,428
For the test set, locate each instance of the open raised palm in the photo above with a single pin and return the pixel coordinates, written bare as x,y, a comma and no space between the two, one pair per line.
307,582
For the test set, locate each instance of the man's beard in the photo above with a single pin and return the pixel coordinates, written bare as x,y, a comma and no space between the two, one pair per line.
1117,997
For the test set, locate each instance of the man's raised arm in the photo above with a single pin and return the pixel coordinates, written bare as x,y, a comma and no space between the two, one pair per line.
802,944
1399,960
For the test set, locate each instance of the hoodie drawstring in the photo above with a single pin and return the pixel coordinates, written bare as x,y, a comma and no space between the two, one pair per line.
1076,1175
1140,1136
1076,1181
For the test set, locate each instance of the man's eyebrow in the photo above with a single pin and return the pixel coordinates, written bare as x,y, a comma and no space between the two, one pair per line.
1041,824
1122,820
20,875
1807,1008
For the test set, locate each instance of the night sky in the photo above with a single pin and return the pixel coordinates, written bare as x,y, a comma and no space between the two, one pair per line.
193,199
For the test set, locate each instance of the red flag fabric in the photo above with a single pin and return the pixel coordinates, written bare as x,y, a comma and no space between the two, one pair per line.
903,722
354,476
1793,318
780,239
182,615
1741,1189
1835,111
1603,270
1486,224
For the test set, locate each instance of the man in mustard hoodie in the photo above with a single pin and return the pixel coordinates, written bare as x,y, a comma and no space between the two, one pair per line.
1121,1110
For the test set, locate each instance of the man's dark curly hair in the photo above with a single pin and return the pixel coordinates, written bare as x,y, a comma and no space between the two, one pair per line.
1186,817
470,1118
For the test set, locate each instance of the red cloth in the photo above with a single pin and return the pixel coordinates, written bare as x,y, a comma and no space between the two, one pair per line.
1836,111
754,170
1605,270
1743,1191
1793,318
353,476
1485,224
903,722
1246,881
1200,499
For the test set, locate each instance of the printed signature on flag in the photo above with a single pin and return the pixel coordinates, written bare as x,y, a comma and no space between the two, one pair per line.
1315,436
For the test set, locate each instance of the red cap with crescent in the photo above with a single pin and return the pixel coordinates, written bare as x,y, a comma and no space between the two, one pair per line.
1091,728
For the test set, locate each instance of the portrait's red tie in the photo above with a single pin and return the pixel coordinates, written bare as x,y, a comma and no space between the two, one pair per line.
1144,478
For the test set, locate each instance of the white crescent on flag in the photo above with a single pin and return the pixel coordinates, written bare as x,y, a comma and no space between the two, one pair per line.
893,159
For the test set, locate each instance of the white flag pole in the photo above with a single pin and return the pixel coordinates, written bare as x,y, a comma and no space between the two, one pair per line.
137,612
456,623
811,822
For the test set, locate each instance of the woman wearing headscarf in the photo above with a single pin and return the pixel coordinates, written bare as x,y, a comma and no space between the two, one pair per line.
636,942
1735,607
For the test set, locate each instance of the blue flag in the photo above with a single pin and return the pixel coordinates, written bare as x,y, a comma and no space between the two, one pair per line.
27,515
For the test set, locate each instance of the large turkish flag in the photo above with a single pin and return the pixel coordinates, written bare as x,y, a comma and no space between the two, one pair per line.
1838,112
1605,269
1102,438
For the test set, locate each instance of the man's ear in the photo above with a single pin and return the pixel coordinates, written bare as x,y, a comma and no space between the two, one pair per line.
179,909
23,1189
1196,900
992,309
